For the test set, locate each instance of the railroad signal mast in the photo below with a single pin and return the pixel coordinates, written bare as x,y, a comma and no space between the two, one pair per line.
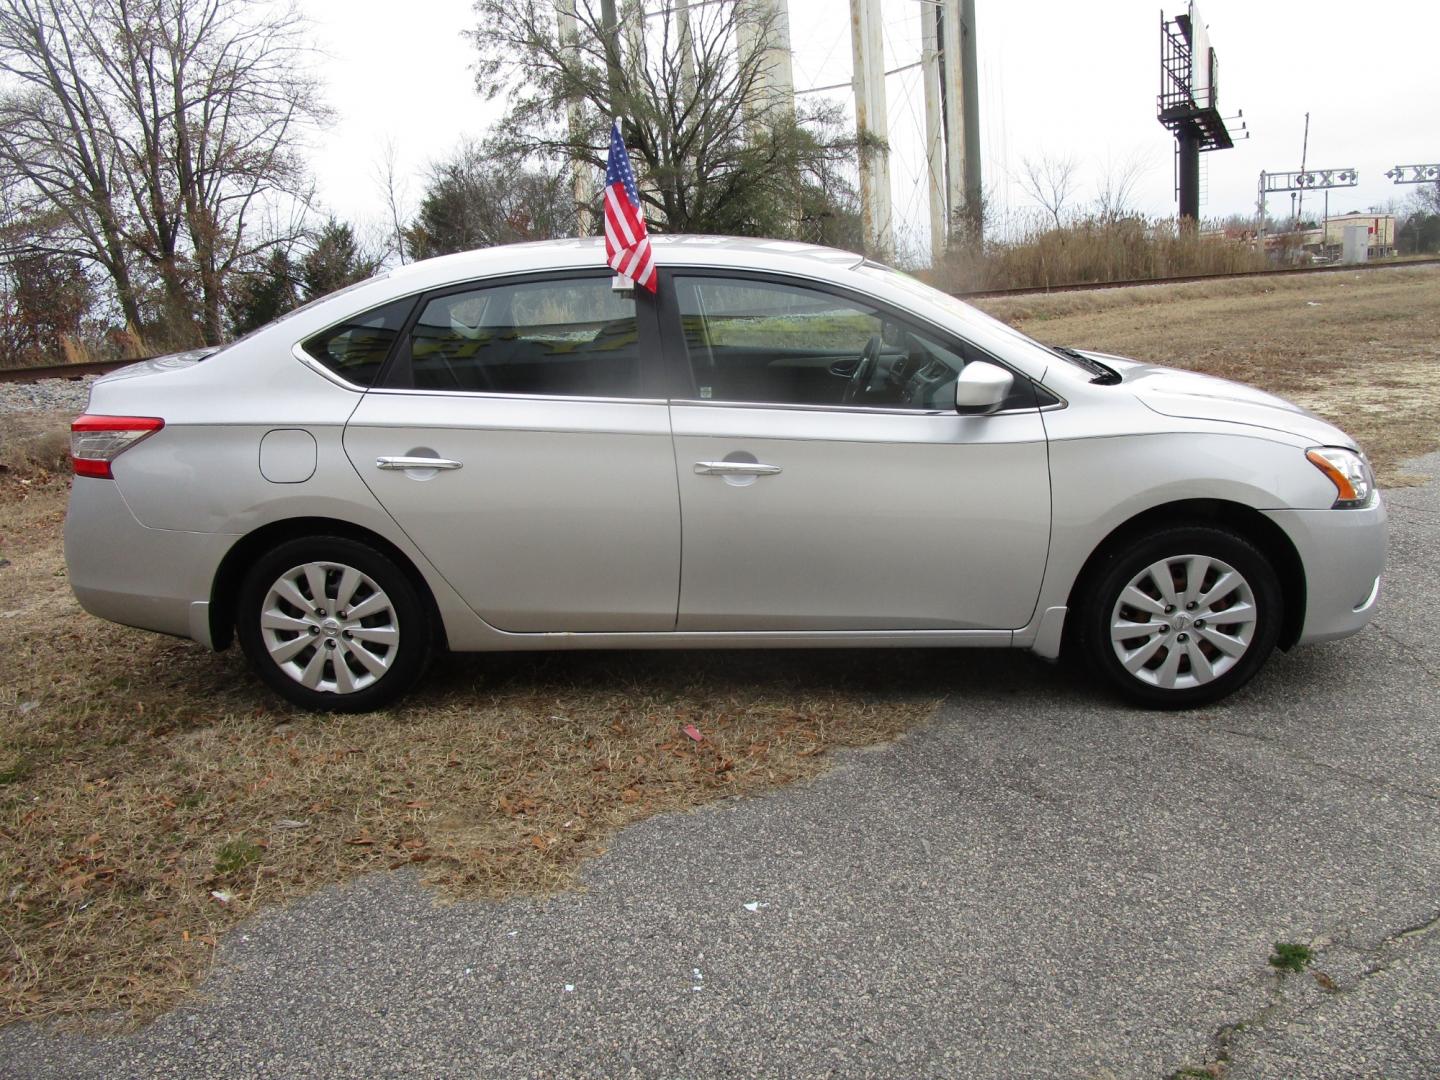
1306,180
1188,103
1415,174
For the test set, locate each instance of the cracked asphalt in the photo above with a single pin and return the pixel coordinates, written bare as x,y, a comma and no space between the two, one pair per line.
1040,883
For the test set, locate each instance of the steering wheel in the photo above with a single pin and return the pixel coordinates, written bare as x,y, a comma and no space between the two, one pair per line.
864,370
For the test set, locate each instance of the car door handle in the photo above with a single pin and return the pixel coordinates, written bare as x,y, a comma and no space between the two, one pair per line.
735,468
416,463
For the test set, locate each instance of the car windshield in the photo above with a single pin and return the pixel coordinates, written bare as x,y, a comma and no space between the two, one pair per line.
953,305
968,314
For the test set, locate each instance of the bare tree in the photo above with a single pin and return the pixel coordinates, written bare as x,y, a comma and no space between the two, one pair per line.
157,131
715,152
1119,178
394,191
1051,182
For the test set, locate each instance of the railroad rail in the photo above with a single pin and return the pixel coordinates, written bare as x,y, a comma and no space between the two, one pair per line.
80,371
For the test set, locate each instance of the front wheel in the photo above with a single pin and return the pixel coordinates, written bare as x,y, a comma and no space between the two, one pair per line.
333,625
1181,618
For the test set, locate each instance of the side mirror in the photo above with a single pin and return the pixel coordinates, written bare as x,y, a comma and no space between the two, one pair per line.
981,387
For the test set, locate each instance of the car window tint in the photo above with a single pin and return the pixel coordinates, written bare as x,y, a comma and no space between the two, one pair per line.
574,337
790,345
356,348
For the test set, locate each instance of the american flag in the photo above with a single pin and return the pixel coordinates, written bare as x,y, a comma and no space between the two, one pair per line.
627,243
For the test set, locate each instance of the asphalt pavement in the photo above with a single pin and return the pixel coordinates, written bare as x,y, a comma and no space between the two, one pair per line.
1039,883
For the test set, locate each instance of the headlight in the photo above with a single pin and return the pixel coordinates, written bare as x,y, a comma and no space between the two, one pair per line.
1348,471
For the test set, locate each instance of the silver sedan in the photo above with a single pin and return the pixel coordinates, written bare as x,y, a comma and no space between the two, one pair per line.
786,446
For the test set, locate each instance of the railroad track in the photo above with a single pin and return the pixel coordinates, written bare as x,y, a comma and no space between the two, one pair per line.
80,371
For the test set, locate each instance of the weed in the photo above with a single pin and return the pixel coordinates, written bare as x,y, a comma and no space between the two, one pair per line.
19,769
1291,956
235,855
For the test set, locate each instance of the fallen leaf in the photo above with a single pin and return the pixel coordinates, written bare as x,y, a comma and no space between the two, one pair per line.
693,732
630,795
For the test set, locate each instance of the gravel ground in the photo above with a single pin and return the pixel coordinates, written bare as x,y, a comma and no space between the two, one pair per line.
1039,884
47,395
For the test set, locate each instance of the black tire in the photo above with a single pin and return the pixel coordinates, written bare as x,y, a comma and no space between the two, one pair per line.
333,640
1200,671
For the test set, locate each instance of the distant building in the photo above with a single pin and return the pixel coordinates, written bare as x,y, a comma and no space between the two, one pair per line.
1381,229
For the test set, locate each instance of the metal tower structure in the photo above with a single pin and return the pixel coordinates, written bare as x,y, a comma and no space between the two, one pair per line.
1187,104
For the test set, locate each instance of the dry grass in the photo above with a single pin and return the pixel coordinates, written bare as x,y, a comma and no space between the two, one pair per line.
34,446
141,776
1361,349
1090,250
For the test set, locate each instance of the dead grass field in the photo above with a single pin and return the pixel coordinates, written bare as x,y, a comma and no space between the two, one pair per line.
1361,349
152,795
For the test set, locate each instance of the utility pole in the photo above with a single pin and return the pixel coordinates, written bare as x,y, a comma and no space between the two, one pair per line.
952,124
687,47
970,81
954,96
872,126
581,189
763,27
935,160
610,32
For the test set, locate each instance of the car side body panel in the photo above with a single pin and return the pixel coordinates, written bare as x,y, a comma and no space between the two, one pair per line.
950,533
144,549
562,514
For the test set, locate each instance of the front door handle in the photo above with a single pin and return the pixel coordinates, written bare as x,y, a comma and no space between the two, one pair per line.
735,468
416,463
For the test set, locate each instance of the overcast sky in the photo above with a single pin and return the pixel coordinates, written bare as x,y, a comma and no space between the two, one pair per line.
1057,78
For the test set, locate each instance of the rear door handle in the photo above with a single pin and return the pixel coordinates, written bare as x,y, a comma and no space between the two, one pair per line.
735,468
416,463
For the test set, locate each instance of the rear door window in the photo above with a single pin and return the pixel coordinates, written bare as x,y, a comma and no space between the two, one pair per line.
567,337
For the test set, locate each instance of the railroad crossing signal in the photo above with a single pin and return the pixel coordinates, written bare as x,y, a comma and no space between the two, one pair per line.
1311,178
1418,174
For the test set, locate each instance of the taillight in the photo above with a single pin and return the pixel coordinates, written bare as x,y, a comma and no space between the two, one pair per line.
96,441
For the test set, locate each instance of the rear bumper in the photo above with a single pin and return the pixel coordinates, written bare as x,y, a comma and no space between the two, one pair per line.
1343,552
154,579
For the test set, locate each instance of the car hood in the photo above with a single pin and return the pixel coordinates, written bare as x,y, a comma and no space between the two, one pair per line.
1190,395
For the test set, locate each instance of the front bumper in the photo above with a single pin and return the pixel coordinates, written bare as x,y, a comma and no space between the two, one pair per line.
155,579
1343,553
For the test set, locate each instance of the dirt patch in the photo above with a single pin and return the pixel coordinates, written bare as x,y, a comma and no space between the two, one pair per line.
1361,349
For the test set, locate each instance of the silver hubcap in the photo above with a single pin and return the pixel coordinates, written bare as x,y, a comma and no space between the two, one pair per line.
329,627
1183,622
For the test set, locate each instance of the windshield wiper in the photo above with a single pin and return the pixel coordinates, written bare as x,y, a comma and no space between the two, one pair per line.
1104,376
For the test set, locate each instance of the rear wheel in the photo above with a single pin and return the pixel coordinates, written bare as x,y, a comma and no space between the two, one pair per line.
1181,618
333,625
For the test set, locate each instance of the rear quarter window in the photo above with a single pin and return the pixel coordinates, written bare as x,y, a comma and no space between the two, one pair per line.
356,349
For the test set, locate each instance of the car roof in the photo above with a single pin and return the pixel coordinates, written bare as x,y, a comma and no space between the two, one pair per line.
589,251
